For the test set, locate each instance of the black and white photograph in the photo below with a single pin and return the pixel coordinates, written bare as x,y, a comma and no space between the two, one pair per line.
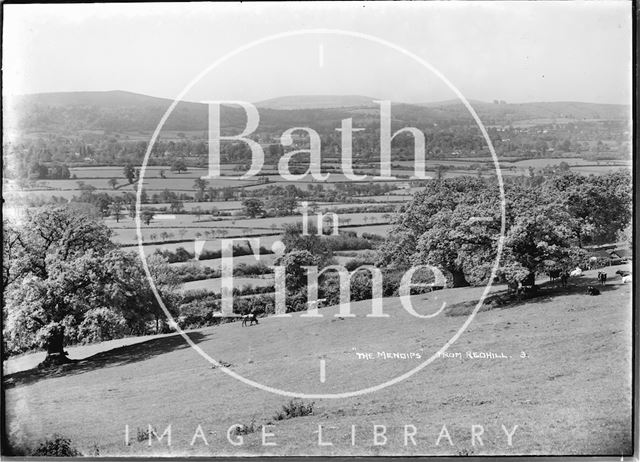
264,229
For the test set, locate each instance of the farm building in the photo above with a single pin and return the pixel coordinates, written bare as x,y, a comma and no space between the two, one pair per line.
612,257
619,256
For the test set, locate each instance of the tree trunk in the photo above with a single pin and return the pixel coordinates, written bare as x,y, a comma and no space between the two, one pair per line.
55,348
458,278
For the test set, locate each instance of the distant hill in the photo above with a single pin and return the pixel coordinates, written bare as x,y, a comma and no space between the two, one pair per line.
113,98
526,111
125,111
317,102
97,110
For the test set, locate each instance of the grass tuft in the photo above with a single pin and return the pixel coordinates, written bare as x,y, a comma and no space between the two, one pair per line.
294,408
246,429
57,446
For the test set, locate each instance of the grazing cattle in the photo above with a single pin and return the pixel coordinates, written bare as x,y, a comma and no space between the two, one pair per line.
515,287
592,291
623,273
626,279
554,274
576,272
250,318
564,277
602,277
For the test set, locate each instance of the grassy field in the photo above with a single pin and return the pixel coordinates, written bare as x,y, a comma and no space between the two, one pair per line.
267,259
125,231
380,230
565,382
214,285
188,244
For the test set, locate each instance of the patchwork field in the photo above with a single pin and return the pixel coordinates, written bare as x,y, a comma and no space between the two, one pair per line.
99,177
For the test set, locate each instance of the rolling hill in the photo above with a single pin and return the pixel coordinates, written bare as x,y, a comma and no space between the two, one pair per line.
125,111
317,102
528,111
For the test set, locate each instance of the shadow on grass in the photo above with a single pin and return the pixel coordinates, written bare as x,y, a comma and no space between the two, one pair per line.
124,355
546,292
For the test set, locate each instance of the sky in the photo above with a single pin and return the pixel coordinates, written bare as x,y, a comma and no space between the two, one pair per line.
511,51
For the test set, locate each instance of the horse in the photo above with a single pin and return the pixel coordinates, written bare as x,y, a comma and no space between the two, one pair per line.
250,318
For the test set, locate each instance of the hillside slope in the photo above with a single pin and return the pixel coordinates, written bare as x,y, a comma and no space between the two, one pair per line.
565,382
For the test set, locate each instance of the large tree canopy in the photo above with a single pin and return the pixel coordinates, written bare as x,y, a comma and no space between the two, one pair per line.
66,282
62,232
600,205
454,224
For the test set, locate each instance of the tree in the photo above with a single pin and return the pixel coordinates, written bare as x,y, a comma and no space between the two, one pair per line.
176,206
538,241
600,206
625,236
113,183
46,264
427,208
115,211
546,225
197,211
454,242
200,185
131,208
67,283
565,146
253,207
129,172
293,262
282,205
178,166
294,240
147,216
65,232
